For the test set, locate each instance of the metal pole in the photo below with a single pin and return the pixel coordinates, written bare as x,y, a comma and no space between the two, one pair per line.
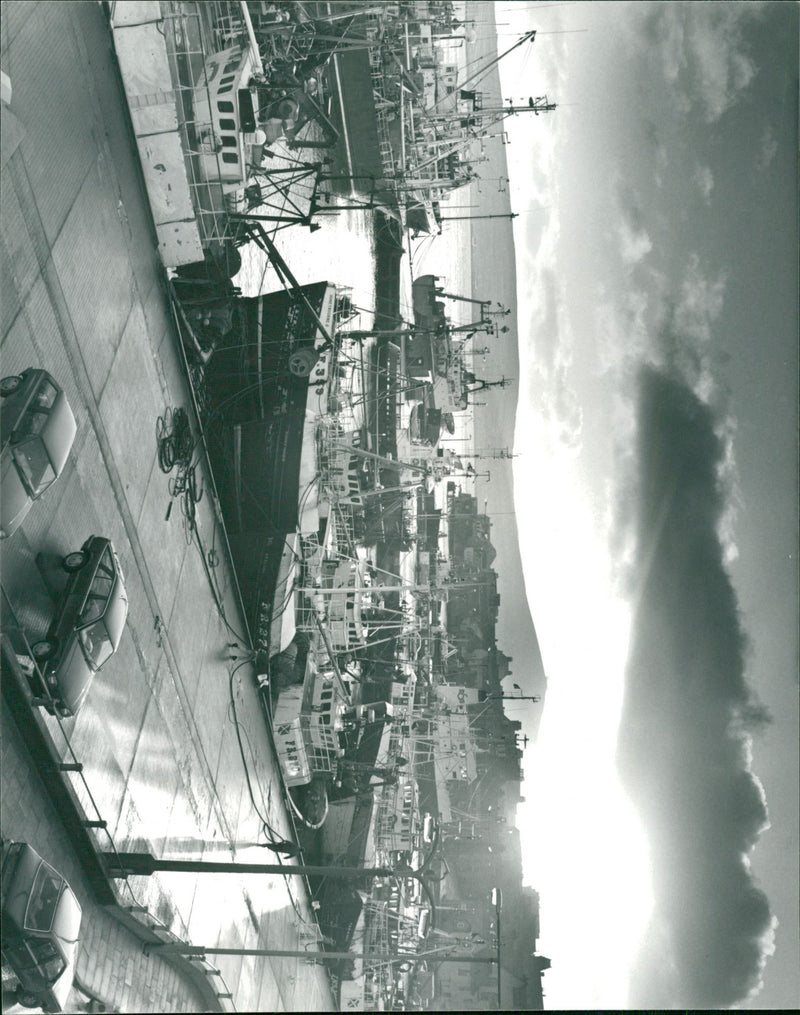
121,865
499,967
499,215
332,659
297,953
251,35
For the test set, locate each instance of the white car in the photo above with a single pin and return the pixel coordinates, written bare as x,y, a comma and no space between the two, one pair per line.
38,428
41,928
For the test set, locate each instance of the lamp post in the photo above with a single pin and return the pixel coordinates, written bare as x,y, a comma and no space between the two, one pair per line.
123,865
496,898
298,953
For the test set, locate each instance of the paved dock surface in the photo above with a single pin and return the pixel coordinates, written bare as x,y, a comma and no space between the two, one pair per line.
83,296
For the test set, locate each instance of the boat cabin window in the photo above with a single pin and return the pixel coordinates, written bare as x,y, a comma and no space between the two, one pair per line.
225,123
230,157
224,106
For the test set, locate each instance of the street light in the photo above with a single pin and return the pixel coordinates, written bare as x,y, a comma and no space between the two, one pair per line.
497,900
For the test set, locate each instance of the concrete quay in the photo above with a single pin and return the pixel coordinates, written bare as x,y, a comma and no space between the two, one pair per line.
82,295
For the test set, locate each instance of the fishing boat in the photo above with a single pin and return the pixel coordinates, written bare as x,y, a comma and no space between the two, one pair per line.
412,121
237,108
317,702
216,98
284,419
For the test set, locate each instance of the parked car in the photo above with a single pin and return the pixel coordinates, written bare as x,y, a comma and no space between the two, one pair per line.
41,928
38,429
88,625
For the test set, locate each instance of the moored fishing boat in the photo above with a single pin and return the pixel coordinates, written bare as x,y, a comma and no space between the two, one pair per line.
209,89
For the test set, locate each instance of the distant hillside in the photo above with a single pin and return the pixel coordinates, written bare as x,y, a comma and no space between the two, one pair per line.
494,278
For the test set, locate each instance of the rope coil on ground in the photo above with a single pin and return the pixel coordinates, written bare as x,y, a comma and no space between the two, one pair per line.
175,448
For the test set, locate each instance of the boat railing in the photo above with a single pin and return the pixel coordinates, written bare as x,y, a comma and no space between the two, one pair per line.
275,30
386,147
321,745
191,35
338,466
342,523
306,614
228,21
284,190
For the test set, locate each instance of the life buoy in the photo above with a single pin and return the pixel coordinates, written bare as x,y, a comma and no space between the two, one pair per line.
462,695
301,362
286,109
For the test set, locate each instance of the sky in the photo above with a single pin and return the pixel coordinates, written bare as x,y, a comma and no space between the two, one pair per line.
657,322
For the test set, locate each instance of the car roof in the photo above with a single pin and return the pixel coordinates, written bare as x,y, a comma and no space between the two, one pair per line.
66,927
116,611
67,920
60,432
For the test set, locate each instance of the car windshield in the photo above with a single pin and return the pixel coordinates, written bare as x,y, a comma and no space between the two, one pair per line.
34,465
96,644
47,957
97,597
41,907
105,570
32,422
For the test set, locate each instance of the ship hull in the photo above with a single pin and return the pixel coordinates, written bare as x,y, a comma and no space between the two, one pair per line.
256,425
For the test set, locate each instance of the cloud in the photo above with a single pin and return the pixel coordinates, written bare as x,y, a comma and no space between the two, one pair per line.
767,150
629,204
564,411
700,300
701,49
623,325
547,359
689,713
634,240
634,244
703,179
666,324
720,66
543,326
659,151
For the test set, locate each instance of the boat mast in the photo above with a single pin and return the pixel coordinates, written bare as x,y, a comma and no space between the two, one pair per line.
498,215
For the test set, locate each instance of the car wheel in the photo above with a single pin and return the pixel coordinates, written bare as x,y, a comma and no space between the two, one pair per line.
9,385
44,649
26,998
74,561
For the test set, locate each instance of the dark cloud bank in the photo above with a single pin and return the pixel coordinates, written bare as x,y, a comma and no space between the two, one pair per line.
687,714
